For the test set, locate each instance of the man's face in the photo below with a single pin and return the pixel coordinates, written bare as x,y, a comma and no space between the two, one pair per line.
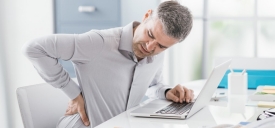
149,38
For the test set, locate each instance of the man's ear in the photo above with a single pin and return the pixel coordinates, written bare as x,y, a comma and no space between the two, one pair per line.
147,14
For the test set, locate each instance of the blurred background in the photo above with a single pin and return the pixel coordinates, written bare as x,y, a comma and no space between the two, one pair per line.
222,28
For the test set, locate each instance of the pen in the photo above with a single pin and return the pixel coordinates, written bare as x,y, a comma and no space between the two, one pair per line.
231,69
243,71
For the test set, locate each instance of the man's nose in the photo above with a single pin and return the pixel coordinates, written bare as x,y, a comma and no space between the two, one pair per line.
151,45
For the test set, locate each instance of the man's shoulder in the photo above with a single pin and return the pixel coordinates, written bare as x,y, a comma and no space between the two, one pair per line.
112,32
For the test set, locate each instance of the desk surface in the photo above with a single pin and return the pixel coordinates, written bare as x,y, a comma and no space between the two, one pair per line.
228,110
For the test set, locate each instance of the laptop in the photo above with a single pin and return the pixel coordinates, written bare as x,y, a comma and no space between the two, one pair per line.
168,109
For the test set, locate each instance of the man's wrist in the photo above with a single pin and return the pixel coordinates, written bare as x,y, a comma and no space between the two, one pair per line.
166,91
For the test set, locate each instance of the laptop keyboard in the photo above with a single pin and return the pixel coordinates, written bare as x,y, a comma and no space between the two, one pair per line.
176,108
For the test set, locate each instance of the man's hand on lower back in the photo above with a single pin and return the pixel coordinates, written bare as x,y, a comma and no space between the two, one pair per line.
77,106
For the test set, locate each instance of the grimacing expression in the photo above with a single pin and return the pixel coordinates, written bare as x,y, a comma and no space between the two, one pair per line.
149,38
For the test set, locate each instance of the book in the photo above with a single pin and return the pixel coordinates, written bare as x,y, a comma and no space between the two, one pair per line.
266,104
264,93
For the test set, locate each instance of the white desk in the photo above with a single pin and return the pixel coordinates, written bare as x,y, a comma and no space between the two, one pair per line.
217,112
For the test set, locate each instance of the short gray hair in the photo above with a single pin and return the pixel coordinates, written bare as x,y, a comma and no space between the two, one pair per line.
175,18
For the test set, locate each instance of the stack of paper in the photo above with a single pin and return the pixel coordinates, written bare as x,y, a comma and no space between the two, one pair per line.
268,89
266,104
264,93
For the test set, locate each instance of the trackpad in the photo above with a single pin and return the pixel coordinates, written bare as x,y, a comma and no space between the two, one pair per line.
145,110
149,108
152,106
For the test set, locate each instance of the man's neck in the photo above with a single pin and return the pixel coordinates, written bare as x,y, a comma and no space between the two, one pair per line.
135,25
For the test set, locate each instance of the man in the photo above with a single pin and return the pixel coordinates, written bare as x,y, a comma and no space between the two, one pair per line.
114,67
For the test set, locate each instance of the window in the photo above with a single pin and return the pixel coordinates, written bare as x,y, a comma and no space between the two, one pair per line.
227,28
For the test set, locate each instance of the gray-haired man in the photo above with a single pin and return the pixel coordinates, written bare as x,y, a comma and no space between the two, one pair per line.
114,67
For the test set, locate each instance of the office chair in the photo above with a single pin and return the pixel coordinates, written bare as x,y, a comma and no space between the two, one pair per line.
41,105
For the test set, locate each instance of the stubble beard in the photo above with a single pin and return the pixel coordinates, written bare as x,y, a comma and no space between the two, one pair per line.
138,52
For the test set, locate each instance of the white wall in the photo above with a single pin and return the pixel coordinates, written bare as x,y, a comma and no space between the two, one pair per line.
3,106
135,9
21,21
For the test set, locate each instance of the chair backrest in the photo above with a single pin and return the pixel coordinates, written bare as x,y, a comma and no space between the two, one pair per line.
41,105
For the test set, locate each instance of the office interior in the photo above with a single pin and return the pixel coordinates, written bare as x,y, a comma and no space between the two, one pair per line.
222,28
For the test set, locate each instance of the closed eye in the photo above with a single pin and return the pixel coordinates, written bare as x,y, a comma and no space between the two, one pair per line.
150,34
161,46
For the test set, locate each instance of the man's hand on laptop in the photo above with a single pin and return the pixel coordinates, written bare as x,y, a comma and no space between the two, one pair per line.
180,94
77,106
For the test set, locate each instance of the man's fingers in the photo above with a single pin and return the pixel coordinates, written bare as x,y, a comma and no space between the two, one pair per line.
172,97
188,94
77,106
192,94
68,112
181,93
84,117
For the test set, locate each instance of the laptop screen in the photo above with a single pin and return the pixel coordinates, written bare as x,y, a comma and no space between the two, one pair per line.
209,88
